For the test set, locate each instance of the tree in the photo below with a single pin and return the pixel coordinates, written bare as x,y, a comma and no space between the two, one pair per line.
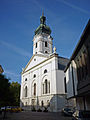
9,92
4,90
15,93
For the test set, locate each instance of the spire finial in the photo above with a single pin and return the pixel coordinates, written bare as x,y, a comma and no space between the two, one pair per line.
42,13
42,18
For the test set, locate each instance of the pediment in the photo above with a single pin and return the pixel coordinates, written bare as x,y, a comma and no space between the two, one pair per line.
35,60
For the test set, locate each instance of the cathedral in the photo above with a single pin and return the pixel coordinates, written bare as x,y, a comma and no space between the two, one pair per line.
42,80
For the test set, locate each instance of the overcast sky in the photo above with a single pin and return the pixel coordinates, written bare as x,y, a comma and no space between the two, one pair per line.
19,19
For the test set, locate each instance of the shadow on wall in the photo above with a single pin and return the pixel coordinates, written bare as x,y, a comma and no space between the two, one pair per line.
71,86
55,104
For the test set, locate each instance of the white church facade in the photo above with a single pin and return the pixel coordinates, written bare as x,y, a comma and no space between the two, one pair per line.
42,80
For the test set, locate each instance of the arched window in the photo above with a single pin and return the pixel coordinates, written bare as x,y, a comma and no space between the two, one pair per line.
45,71
34,88
43,88
25,79
26,91
34,75
65,84
49,87
46,86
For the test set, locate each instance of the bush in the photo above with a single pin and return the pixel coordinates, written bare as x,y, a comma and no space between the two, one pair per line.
16,109
33,109
39,110
45,110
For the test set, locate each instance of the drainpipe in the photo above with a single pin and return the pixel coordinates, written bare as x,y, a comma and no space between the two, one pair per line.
73,82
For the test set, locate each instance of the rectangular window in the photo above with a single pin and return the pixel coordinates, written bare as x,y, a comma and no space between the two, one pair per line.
36,45
45,44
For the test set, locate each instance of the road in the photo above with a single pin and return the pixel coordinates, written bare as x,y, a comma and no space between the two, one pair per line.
28,115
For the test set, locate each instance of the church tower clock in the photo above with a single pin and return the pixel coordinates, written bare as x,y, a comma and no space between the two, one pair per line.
42,42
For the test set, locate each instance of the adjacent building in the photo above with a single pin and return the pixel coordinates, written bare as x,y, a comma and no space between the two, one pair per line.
1,69
42,80
77,72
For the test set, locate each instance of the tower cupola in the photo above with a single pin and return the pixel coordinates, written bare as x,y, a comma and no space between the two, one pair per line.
43,28
42,42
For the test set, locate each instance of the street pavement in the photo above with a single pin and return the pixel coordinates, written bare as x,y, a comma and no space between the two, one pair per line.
28,115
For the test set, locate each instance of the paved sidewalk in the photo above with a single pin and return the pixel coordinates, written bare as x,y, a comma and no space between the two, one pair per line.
27,115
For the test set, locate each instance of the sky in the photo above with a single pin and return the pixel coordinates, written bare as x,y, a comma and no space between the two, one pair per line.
19,19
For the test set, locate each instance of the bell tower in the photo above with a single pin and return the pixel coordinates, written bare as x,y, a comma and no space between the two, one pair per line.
42,42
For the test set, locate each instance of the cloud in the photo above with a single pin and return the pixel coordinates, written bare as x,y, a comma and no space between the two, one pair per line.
73,6
11,73
37,4
13,76
18,50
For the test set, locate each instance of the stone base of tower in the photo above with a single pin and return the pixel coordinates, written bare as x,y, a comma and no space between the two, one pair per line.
51,103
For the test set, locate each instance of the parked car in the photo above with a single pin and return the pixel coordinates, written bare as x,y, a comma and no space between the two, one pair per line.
16,109
81,115
2,108
8,108
11,109
67,111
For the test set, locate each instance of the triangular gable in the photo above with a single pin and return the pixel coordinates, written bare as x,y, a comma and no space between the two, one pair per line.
35,59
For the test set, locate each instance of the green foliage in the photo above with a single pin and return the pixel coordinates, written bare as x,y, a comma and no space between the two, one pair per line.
4,90
33,109
9,92
39,110
45,110
15,93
